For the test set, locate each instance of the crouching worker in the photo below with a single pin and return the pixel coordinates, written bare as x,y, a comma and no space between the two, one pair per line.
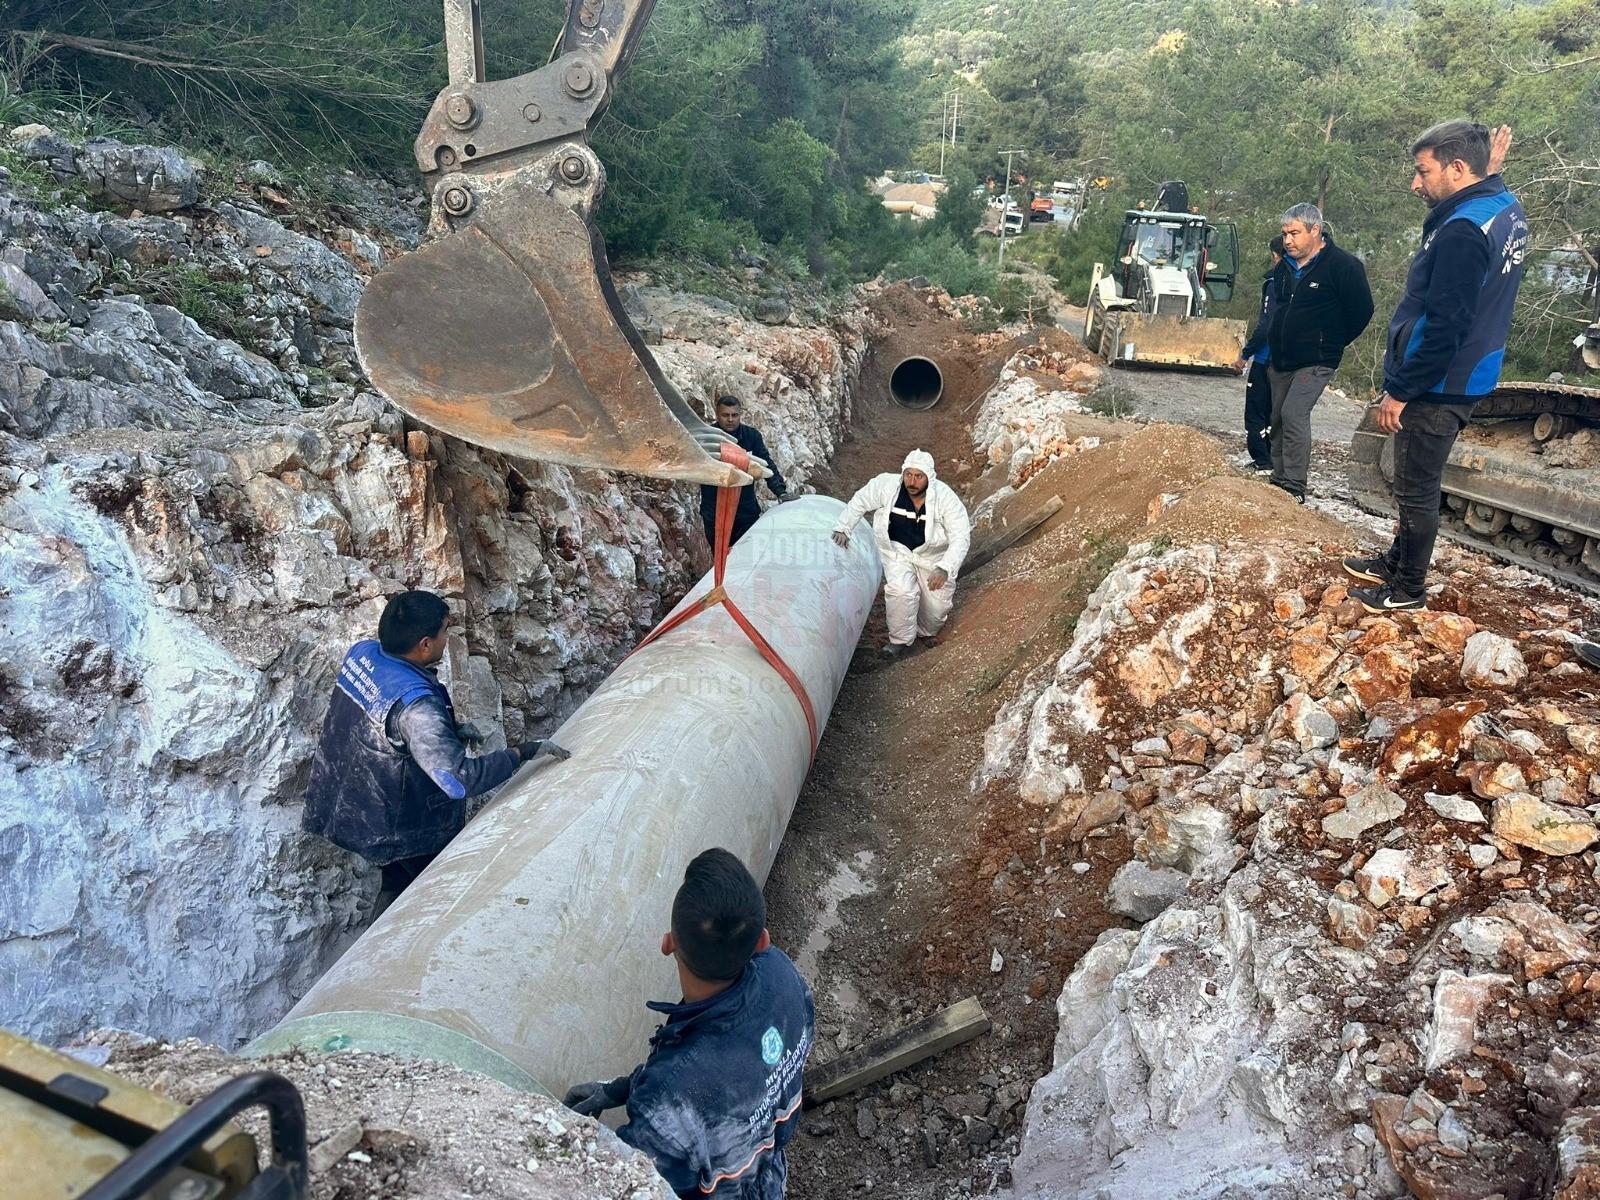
715,1103
923,536
392,776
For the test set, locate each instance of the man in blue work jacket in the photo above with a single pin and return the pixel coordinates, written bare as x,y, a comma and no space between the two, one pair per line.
392,775
717,1100
1254,359
1446,341
729,416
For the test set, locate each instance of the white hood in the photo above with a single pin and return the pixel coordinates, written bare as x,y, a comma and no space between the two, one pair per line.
920,460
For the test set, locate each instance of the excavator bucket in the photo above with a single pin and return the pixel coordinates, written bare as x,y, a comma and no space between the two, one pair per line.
1133,337
508,333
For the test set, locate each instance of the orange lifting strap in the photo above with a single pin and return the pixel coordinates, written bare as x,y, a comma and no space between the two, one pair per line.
727,502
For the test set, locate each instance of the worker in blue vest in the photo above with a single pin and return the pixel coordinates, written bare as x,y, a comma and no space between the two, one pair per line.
1447,341
718,1099
392,775
729,417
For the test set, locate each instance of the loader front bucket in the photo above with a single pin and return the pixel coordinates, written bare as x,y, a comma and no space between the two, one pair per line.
1194,342
509,334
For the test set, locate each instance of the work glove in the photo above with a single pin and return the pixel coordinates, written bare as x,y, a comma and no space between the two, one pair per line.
786,497
841,539
529,751
469,733
588,1099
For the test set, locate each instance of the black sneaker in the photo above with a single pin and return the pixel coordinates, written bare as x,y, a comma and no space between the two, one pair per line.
1299,497
1588,654
895,650
1387,598
1262,467
1369,570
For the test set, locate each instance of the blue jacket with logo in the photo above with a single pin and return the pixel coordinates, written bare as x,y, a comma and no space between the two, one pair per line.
1448,336
717,1100
391,776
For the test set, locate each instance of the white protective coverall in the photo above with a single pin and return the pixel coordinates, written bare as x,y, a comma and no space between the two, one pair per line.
912,608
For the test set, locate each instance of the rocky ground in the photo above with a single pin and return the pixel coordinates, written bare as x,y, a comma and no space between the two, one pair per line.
382,1129
1320,887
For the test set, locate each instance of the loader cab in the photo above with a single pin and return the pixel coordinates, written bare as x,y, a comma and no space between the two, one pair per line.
1179,241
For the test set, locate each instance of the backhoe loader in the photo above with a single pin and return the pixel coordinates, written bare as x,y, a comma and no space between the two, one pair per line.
504,329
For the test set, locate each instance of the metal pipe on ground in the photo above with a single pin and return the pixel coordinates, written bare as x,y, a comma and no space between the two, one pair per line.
527,950
916,383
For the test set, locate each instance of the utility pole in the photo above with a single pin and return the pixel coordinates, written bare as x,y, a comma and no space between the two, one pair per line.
1005,207
955,120
944,124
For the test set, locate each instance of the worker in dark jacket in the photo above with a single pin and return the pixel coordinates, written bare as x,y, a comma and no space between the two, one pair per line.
717,1100
392,776
1446,341
1321,303
1254,358
728,414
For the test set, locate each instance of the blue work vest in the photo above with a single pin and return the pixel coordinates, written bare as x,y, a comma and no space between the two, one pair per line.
367,794
1475,369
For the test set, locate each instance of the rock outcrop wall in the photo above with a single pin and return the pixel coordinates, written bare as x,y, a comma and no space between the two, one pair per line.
202,504
1363,950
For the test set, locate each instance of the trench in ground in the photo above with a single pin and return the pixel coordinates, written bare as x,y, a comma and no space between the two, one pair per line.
896,886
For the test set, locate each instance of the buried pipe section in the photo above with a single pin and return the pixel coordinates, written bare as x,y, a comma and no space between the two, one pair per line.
916,383
527,949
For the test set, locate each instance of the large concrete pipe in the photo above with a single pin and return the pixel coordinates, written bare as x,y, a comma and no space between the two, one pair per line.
528,948
916,382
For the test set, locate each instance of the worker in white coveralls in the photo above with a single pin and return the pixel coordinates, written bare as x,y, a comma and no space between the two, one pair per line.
923,534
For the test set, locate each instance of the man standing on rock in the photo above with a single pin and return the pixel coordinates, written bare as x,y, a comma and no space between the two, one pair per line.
923,536
1447,340
1255,357
729,414
392,776
715,1103
1320,304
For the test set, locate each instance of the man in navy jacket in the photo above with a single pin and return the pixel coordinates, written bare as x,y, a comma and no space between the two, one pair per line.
1447,340
718,1099
729,419
392,775
1255,358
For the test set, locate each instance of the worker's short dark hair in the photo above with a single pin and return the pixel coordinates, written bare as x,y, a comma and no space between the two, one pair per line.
717,916
1276,245
408,618
1452,140
727,401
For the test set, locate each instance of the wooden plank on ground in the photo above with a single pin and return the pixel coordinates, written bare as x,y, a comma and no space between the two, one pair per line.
1013,533
896,1051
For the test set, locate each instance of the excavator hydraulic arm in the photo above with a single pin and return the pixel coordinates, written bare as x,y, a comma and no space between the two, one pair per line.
504,329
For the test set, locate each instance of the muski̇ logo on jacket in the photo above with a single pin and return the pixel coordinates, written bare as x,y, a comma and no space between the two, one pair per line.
771,1046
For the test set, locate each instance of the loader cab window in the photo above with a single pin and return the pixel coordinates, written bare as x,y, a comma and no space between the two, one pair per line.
1157,243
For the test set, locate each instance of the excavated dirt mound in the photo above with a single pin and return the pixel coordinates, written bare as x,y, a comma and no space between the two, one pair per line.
1227,508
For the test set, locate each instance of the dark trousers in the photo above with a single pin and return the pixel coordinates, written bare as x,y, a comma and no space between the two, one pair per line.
1294,395
741,526
398,876
1258,415
1427,433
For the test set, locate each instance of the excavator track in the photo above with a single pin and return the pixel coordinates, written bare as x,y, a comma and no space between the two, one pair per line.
1502,499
